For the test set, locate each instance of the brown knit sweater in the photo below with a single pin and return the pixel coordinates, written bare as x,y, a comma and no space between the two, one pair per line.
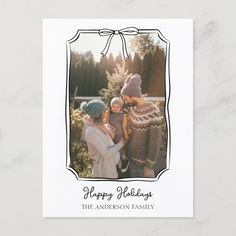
145,139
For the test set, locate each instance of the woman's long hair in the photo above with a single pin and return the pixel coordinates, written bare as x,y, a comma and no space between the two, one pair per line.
98,120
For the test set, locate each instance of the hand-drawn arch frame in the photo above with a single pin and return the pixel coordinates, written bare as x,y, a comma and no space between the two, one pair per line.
110,33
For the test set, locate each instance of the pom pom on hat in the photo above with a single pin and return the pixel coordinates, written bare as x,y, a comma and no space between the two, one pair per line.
132,86
84,106
94,108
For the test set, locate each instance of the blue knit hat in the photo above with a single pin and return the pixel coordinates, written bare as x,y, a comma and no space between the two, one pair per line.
94,108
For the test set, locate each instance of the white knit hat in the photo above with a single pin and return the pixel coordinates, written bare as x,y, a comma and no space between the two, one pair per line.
116,100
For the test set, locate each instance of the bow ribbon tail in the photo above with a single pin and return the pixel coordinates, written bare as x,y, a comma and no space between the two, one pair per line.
105,50
124,47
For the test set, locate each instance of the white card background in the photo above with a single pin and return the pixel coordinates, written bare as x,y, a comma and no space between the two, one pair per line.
173,192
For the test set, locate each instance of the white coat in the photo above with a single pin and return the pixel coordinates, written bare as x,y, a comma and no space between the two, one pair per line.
103,151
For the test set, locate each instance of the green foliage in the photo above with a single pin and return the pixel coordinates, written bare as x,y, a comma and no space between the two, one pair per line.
142,44
86,74
80,161
115,83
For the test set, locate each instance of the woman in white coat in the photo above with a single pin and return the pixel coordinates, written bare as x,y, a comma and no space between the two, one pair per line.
101,148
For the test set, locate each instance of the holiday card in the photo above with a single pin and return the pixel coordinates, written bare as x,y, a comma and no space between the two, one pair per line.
117,118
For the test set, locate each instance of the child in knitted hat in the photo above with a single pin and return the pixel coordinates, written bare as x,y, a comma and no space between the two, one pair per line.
117,119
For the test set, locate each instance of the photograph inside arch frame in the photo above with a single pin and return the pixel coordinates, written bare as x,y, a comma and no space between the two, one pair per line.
118,126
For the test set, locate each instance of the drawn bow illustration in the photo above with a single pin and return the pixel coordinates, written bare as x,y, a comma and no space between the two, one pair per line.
122,32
